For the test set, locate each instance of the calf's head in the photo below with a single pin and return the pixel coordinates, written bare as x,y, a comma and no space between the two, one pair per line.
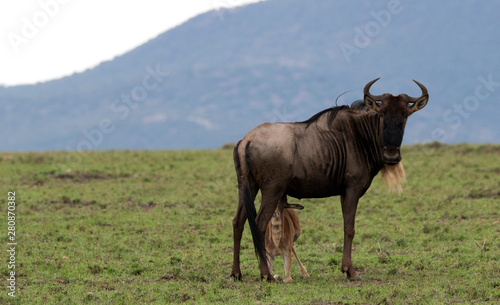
394,112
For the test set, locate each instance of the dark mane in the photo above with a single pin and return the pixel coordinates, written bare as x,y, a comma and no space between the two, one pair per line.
331,112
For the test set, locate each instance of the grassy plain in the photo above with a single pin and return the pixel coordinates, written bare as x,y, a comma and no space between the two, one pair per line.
138,227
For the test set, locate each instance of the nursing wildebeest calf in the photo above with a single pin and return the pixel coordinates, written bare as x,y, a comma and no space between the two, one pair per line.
282,231
336,152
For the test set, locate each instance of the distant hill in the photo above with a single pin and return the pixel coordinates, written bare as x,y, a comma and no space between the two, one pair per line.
210,80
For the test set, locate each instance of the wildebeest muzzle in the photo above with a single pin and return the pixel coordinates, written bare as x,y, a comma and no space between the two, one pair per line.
392,154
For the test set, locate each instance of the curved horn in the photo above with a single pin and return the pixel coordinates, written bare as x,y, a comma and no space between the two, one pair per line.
366,91
424,93
371,100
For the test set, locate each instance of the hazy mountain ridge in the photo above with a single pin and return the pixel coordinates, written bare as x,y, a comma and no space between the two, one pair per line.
222,73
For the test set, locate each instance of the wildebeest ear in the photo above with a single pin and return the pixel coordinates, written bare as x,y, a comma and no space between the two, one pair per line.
371,103
418,103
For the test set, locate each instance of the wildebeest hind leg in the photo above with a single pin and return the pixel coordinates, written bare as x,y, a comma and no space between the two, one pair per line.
270,199
239,224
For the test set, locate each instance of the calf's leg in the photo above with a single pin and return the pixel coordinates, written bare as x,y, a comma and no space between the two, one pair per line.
270,261
287,262
303,270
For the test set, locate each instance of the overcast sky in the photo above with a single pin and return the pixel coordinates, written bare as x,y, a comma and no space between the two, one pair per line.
47,39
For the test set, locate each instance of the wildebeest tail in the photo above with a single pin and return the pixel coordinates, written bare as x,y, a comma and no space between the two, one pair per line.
248,198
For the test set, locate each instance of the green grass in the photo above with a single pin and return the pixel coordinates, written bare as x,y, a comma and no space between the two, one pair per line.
125,227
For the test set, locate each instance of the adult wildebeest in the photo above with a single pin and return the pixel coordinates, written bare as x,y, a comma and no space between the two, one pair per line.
337,151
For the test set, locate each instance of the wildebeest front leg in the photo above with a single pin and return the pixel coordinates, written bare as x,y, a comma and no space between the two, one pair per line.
349,205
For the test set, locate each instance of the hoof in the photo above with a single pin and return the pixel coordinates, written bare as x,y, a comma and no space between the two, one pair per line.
286,281
236,277
352,276
277,277
270,279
